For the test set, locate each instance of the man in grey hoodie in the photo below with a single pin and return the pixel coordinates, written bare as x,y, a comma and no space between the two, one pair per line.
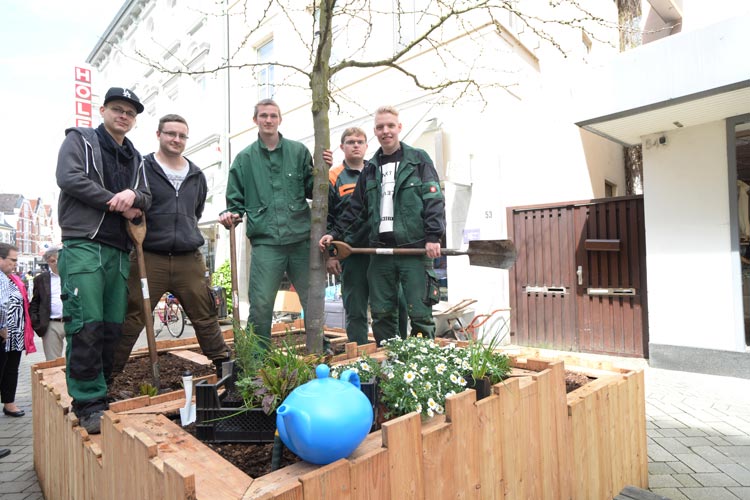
102,183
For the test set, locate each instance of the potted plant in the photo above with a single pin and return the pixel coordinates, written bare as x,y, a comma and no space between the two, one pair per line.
486,367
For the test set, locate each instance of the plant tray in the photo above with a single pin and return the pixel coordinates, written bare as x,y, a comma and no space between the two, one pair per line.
217,421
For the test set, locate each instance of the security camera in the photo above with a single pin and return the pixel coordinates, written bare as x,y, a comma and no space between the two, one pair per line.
662,140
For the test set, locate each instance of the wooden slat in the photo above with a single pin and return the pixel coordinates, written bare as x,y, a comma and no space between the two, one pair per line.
195,357
601,245
370,476
329,482
403,438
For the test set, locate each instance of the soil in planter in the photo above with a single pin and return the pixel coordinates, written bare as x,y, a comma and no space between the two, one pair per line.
574,380
252,459
138,371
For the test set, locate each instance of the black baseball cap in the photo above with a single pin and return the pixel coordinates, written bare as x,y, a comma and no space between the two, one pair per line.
121,94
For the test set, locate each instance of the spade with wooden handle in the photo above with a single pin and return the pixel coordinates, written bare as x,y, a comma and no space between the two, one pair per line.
233,272
137,233
500,254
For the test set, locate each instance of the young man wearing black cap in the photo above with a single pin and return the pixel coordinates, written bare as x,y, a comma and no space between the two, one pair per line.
102,183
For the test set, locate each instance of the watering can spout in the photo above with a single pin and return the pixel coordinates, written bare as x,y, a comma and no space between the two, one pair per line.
293,426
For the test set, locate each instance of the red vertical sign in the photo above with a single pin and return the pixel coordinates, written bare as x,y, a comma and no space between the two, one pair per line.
83,97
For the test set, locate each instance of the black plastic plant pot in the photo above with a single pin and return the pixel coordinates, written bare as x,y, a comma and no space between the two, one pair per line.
482,386
370,388
217,421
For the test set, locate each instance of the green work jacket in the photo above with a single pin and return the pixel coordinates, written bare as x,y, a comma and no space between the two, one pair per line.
272,188
418,203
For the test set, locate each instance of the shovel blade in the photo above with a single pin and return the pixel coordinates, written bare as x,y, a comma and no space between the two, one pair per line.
500,254
187,415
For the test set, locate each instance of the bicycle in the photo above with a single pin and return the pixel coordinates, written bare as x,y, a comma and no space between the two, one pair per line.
169,313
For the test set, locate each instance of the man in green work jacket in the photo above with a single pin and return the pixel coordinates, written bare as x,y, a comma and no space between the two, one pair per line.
270,182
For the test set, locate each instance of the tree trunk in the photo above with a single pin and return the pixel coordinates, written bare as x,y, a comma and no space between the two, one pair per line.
629,17
314,310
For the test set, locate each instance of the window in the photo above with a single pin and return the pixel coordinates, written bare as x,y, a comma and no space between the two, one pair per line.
265,73
610,189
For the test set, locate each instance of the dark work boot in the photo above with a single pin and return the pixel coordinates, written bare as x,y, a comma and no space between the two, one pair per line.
218,363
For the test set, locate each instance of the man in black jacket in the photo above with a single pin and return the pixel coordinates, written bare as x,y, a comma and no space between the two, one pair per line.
171,248
100,175
46,309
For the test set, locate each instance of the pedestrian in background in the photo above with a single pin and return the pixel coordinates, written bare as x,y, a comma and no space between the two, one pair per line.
16,333
46,309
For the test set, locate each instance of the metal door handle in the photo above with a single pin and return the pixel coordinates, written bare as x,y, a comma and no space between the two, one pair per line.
579,272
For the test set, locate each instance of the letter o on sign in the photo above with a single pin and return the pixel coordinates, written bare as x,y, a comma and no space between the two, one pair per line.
83,92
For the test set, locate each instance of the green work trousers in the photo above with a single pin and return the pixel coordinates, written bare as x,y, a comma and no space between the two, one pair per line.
416,276
355,292
186,277
94,295
267,266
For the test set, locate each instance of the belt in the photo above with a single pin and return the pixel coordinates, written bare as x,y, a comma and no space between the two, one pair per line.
171,254
61,320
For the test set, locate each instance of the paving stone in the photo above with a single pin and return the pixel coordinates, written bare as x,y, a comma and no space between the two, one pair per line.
736,472
662,481
741,493
658,454
712,454
671,493
13,487
714,479
695,462
726,429
653,468
15,496
672,445
694,441
652,433
671,433
668,423
720,441
692,432
738,440
686,480
713,493
680,468
742,451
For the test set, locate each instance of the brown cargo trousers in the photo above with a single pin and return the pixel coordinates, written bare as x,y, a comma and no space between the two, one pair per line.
185,276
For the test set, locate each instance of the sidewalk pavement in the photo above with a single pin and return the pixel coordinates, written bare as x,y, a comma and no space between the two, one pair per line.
698,436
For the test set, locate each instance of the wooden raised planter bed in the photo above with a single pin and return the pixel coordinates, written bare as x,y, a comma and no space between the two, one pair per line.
527,440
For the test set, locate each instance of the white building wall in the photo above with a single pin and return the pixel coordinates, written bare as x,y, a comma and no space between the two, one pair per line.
691,291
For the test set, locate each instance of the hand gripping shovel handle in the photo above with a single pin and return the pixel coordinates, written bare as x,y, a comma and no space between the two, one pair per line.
137,233
233,263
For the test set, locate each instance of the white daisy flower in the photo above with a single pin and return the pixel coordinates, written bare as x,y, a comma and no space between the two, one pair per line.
409,377
441,368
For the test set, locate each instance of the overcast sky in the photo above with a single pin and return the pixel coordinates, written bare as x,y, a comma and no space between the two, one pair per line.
41,41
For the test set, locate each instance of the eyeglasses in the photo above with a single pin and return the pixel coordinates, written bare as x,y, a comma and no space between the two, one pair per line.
352,142
126,112
173,135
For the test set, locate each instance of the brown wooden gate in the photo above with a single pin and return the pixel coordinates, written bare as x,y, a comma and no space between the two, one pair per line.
579,283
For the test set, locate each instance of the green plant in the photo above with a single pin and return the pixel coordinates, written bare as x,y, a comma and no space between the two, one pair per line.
249,351
484,361
147,389
281,370
223,277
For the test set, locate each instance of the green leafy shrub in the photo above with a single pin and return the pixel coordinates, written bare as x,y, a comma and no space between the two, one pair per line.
223,277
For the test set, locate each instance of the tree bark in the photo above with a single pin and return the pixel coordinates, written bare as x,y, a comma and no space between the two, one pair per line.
314,311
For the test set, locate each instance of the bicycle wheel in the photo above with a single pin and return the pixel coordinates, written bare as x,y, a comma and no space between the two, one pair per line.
175,320
158,323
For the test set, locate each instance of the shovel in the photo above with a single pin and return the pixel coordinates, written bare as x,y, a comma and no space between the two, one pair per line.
137,233
500,254
233,266
187,414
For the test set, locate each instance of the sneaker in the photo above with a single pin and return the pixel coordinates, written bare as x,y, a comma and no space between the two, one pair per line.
92,422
